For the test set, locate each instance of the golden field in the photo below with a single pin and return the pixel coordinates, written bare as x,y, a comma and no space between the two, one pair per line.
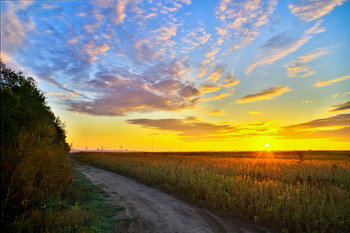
273,189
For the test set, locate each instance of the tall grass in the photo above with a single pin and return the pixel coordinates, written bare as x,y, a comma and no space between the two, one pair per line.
274,192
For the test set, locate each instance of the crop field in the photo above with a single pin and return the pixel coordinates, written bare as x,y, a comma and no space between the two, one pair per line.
277,190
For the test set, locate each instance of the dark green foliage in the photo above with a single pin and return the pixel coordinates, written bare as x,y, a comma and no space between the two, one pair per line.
34,169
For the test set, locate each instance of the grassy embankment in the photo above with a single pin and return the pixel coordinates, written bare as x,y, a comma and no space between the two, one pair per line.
272,189
94,214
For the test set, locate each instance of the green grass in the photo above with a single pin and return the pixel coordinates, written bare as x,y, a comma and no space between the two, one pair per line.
99,215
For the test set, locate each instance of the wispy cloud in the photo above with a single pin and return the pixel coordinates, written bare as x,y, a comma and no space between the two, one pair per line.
312,10
341,107
208,87
335,127
193,129
215,75
230,80
14,29
217,97
254,113
299,67
280,46
341,94
264,95
120,10
329,82
186,128
218,112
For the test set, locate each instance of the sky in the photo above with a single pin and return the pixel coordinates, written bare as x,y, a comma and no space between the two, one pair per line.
188,75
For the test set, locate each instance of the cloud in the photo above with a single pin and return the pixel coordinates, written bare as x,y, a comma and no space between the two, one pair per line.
215,75
298,66
338,120
341,107
341,94
210,56
194,38
329,82
314,54
85,53
165,33
312,10
193,129
230,80
263,95
121,91
185,128
5,57
316,29
93,51
335,127
279,46
208,87
242,20
217,97
218,112
14,29
120,9
254,113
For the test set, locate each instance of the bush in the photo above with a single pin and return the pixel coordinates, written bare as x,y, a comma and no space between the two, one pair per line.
34,168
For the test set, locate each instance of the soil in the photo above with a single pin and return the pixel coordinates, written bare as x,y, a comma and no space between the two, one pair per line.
148,210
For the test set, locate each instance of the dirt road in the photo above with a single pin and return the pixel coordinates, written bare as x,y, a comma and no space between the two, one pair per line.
147,210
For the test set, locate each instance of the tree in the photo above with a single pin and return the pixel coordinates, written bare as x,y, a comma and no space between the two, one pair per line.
33,150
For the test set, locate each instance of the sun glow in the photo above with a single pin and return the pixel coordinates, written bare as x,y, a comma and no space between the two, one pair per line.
267,145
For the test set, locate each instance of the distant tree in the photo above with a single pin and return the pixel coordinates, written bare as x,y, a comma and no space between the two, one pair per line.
301,155
33,151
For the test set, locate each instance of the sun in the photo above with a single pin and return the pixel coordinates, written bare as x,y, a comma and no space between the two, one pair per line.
267,145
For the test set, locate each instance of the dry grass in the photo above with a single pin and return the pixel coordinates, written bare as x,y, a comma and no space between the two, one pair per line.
271,189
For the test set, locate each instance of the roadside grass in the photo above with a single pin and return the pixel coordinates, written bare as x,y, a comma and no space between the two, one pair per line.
99,216
273,190
82,209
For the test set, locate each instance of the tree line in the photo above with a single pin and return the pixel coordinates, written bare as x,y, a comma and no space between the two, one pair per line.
35,175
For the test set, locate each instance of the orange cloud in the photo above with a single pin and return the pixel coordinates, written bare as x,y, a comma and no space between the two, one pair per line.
230,80
254,113
341,107
217,97
187,128
263,95
298,66
335,127
220,112
208,87
311,10
120,9
329,82
215,75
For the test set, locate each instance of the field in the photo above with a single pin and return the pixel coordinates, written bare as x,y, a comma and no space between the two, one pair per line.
277,190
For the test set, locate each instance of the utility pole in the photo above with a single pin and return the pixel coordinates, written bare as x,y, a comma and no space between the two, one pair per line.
152,144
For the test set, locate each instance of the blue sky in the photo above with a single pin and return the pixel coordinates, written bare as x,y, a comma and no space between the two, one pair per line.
199,72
